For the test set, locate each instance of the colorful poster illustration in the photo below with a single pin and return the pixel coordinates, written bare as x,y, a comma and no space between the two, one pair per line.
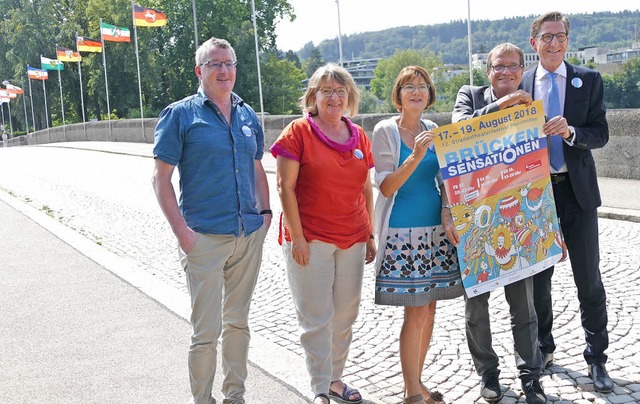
495,170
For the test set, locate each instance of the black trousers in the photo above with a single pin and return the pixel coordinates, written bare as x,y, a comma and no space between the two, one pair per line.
580,230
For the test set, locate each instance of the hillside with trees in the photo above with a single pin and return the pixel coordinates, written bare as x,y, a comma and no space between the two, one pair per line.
449,40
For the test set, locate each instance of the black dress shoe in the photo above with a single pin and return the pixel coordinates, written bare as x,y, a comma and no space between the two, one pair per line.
601,380
490,388
533,393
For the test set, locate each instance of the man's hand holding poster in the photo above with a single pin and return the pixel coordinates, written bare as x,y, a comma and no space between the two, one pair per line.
495,170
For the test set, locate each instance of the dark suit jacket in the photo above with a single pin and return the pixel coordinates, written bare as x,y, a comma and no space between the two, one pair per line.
584,110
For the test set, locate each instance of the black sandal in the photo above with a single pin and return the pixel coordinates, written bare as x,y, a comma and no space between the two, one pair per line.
322,395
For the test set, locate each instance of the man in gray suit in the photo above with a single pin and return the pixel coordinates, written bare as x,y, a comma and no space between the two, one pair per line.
573,98
505,65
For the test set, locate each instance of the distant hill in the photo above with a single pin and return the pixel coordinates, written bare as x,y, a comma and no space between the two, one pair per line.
601,29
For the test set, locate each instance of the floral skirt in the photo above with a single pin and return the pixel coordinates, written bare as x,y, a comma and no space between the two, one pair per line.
420,265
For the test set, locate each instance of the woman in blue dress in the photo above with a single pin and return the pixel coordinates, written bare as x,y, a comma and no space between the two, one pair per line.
416,264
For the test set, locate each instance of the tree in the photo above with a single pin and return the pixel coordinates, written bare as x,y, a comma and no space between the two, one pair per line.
449,90
388,69
313,63
282,85
368,102
574,61
166,55
623,87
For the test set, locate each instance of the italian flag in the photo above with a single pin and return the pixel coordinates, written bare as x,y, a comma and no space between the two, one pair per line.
114,34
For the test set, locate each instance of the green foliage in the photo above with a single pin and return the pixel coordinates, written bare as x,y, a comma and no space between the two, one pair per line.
623,87
603,29
387,71
574,61
313,62
369,103
166,54
448,91
282,88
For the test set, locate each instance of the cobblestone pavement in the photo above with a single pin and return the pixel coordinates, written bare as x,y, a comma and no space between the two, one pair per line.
108,198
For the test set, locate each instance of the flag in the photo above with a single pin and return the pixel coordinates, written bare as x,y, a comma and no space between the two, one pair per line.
14,89
51,64
114,34
6,94
67,55
37,74
148,17
88,45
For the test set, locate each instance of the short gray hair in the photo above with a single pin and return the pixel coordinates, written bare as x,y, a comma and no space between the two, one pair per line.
210,44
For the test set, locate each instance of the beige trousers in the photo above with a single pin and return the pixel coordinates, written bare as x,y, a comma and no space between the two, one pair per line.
326,294
221,271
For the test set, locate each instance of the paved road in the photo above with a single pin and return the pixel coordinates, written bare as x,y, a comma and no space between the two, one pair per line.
108,198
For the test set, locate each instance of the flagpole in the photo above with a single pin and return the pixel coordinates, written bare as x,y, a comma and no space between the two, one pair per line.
469,37
24,104
106,83
135,36
255,34
33,116
46,108
339,33
44,90
80,74
10,123
195,22
64,124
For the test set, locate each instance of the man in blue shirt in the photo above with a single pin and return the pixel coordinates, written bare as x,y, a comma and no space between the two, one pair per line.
216,142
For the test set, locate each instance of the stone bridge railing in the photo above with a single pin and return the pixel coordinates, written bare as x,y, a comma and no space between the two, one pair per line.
620,158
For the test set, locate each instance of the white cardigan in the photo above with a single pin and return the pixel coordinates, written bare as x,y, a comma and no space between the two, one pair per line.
386,156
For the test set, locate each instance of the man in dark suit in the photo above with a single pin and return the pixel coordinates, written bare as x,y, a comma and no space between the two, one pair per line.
576,96
505,65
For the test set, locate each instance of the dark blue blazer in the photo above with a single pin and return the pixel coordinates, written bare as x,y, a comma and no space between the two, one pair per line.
584,110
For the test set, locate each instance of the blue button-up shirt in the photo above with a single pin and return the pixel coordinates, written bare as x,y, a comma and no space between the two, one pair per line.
215,161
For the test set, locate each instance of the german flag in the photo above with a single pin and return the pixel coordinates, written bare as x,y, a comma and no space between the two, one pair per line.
88,45
67,55
148,17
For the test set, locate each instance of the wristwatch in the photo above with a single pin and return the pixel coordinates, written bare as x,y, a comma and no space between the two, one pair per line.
572,134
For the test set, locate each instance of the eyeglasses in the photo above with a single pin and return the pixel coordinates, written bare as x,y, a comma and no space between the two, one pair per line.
328,92
547,38
410,88
502,68
217,66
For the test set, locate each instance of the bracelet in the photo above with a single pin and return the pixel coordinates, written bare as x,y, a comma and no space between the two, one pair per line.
447,206
266,212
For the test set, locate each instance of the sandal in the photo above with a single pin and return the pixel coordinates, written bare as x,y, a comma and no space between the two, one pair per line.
434,397
346,393
413,399
323,397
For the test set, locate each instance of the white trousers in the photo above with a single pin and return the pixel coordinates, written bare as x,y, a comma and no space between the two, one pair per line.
326,294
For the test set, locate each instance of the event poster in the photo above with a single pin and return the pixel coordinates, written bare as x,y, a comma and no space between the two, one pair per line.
495,170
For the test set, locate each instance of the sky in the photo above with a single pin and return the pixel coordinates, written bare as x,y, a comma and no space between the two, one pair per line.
317,20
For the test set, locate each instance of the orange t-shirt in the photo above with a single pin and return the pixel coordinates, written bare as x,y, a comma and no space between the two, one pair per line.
330,183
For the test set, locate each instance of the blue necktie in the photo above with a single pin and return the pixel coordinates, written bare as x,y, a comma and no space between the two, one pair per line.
556,154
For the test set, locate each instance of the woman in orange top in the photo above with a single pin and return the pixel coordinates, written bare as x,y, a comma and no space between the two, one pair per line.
323,163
